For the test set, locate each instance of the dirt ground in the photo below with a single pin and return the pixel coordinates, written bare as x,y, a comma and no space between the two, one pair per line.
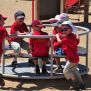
8,7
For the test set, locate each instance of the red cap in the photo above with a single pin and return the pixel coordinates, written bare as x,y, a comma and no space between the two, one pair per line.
37,23
2,17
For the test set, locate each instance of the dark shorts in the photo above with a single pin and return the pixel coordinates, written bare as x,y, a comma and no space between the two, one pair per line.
42,58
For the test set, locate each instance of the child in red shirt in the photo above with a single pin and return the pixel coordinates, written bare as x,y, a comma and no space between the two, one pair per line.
69,44
18,27
3,35
39,46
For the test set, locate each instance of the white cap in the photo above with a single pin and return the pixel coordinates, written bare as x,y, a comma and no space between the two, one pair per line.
71,25
19,17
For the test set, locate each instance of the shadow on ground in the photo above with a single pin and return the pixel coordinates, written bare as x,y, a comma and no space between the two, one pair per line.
60,84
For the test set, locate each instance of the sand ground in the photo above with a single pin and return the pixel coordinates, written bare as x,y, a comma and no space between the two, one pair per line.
8,7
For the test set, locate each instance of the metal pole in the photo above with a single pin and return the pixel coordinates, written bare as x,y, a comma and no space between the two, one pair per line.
51,57
32,10
87,51
3,62
86,10
62,6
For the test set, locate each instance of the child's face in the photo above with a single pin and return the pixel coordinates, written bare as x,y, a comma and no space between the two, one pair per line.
2,22
36,28
20,21
67,30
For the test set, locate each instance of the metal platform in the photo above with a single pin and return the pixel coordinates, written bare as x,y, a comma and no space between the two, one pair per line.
24,70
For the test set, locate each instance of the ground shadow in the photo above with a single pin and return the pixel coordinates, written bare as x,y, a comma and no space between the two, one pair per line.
60,84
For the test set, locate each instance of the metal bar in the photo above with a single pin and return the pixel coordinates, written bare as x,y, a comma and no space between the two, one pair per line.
51,57
35,36
33,10
3,62
87,38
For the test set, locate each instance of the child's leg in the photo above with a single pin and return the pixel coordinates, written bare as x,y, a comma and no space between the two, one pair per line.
17,50
70,72
37,70
59,67
44,70
2,82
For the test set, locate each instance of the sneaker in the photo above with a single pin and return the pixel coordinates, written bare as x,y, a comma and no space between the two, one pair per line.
37,70
14,63
2,82
58,69
44,71
30,61
82,86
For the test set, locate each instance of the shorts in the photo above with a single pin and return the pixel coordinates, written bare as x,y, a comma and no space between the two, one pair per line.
70,70
17,45
59,51
42,58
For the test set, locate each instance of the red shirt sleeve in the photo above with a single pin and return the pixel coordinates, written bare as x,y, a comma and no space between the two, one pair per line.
4,33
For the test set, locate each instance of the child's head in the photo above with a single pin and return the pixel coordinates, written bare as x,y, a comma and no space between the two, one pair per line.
67,27
2,19
37,25
19,17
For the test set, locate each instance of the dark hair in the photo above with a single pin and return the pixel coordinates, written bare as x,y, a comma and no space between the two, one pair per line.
19,13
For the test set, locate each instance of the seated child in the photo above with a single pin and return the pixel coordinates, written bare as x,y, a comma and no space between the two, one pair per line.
69,44
18,27
39,47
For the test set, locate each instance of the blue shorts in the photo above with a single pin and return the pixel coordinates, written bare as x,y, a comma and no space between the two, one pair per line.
59,51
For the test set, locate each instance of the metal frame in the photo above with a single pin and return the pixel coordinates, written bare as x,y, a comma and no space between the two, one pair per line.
86,32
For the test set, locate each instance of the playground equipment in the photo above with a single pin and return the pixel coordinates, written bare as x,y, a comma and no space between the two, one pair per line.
26,71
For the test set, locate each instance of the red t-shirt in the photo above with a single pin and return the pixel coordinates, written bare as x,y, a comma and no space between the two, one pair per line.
40,46
69,45
17,27
3,34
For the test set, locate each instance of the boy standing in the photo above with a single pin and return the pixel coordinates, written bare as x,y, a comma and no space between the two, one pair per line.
69,44
39,47
18,27
3,35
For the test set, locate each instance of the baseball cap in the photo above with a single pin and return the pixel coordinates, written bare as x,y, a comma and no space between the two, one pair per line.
19,15
71,25
59,18
3,17
37,23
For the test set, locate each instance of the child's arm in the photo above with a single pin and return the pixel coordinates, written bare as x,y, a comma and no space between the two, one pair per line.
58,38
78,38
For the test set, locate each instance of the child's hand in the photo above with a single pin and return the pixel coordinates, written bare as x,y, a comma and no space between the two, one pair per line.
77,36
13,35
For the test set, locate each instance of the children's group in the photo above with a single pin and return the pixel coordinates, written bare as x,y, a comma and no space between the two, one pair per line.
64,43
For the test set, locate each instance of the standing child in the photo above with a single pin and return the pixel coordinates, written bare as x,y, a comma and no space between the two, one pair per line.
39,47
69,45
3,35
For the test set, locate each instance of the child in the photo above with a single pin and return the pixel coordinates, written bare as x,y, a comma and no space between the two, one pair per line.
39,47
3,35
69,44
18,27
57,29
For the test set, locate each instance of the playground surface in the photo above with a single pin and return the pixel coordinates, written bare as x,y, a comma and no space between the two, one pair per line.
8,7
